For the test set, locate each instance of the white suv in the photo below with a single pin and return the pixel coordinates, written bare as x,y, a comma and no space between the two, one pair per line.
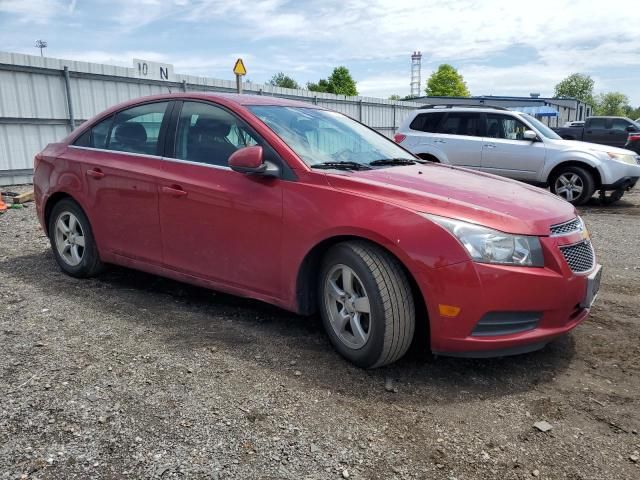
516,145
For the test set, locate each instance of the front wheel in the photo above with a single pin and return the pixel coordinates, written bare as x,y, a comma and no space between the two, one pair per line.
574,184
366,304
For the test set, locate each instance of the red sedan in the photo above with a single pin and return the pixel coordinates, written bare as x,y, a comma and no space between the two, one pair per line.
310,210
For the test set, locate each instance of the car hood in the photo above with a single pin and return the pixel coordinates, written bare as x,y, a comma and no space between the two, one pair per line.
480,198
592,147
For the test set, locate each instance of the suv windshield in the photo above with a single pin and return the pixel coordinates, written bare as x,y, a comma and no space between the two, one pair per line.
541,127
321,136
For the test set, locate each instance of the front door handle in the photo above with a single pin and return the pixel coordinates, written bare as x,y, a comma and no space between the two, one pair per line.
438,140
489,145
95,173
174,191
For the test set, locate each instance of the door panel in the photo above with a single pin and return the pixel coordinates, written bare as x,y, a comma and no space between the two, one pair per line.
121,165
597,131
226,226
216,223
124,195
459,136
618,134
505,153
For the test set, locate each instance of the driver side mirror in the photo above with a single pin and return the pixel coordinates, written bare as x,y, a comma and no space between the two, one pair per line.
249,160
631,128
530,135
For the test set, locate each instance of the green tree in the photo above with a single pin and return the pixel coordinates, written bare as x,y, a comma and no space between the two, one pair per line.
321,86
447,82
395,96
632,113
576,85
284,81
340,82
611,103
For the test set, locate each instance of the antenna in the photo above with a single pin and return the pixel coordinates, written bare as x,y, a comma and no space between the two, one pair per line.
416,67
41,44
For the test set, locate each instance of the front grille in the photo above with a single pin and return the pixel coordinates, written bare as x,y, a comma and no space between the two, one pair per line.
505,323
579,256
565,228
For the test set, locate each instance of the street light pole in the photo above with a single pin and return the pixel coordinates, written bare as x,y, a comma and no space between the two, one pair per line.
41,44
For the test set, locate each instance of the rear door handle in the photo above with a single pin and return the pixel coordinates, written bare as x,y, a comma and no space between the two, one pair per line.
439,140
95,173
489,145
175,191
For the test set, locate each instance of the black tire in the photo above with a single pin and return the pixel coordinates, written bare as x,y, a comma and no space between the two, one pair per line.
90,263
585,178
391,321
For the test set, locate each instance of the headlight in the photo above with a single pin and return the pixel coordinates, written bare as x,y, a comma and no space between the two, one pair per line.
619,157
491,246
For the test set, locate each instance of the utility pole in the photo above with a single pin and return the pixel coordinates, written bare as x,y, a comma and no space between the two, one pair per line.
41,44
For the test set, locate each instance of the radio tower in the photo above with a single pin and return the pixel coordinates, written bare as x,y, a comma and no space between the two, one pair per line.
416,61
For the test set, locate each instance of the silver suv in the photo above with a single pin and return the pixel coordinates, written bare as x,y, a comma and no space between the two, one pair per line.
516,145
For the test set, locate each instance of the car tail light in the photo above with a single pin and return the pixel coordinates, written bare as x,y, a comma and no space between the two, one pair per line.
399,137
633,137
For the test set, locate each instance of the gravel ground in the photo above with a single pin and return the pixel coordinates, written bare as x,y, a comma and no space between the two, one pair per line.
133,376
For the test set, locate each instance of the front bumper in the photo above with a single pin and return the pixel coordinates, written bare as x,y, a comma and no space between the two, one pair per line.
552,295
625,183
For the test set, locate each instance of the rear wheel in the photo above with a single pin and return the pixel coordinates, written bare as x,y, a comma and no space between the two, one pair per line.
574,184
72,240
366,304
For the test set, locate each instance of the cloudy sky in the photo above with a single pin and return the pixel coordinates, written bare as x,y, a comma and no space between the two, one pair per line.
501,47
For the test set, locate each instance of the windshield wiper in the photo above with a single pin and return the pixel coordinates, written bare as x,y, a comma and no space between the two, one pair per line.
342,165
393,161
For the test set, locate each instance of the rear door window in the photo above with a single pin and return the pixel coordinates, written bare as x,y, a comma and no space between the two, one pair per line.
598,123
463,123
136,130
426,122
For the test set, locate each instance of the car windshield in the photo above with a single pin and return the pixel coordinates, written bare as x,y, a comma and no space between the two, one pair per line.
541,127
326,137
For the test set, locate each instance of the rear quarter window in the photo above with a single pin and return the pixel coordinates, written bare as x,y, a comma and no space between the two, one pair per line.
96,136
426,122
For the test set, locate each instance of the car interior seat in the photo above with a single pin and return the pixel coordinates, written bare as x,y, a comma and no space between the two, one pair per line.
130,137
207,142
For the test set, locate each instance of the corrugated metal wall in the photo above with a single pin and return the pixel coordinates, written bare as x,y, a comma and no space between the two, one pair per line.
34,107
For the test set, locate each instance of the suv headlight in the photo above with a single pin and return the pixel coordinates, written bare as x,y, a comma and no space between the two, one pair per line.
619,157
485,245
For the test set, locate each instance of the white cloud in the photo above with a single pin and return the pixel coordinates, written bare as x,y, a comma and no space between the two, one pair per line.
38,11
481,38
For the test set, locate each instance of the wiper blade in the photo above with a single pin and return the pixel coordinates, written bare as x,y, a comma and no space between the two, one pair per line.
393,161
342,165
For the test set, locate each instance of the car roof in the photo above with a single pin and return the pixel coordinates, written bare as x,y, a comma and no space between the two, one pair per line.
466,109
225,98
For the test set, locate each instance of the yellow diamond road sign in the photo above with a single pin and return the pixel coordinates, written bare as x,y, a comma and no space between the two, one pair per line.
238,68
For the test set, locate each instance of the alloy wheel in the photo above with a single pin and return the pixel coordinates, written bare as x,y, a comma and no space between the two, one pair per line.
69,239
569,186
348,306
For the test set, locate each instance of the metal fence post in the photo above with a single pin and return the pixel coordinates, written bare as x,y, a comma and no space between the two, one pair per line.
393,107
67,87
315,99
360,110
184,85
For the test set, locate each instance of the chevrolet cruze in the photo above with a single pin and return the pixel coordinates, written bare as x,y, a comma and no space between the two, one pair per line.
312,211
